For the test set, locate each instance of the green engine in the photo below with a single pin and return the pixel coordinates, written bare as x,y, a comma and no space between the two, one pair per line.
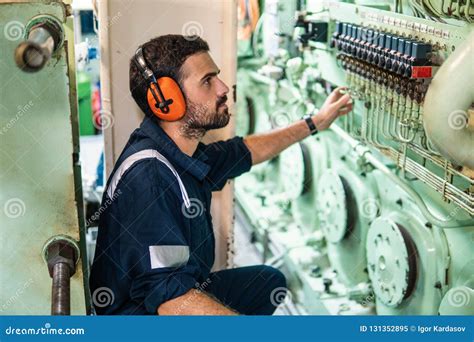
375,215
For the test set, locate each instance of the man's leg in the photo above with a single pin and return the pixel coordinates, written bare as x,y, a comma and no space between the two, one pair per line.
252,290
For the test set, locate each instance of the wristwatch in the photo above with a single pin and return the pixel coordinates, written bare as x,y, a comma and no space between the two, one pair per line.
310,123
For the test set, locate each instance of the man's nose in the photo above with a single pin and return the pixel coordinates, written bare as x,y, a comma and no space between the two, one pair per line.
222,88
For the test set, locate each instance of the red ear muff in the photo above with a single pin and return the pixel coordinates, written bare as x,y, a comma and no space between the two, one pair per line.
173,105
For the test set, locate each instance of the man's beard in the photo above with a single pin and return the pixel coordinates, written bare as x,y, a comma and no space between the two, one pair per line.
200,118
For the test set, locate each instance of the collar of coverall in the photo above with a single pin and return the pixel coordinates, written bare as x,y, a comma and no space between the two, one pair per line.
195,165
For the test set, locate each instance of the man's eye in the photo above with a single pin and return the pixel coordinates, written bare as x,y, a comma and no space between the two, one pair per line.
207,81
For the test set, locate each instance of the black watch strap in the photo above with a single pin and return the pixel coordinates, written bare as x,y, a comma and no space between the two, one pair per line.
310,123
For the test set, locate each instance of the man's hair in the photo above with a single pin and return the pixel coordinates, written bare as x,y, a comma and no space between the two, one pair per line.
165,56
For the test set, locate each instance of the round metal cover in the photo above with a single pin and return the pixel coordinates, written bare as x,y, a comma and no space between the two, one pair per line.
392,261
332,206
291,171
316,162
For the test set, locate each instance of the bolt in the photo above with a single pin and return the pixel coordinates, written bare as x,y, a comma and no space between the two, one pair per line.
61,251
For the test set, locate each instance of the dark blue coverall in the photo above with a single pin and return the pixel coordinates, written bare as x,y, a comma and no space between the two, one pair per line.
155,243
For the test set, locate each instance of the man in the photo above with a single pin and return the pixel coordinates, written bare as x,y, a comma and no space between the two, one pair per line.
155,246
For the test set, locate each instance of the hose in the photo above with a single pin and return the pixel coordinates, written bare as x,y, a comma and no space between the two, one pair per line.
369,157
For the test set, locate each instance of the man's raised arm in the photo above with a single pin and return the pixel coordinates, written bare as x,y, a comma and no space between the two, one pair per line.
268,145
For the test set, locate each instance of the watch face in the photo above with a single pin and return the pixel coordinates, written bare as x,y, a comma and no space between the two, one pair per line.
312,127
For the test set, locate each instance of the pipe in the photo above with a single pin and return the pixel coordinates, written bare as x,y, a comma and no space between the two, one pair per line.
103,12
45,36
369,157
61,289
33,54
449,96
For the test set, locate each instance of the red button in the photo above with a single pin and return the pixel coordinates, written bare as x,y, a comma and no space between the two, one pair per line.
422,72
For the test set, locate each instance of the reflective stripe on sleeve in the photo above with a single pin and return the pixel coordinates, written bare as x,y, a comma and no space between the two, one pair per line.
168,256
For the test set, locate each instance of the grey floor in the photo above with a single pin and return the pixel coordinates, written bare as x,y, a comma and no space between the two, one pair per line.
246,254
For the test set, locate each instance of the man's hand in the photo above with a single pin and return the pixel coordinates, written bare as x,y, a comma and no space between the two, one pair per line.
265,146
336,104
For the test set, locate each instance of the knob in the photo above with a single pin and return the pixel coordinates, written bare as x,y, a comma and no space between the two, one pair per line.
327,285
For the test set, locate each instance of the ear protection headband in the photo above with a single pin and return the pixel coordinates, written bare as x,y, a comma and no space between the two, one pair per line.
164,96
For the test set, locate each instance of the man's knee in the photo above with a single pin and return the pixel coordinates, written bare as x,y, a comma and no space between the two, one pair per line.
279,279
277,289
268,290
276,279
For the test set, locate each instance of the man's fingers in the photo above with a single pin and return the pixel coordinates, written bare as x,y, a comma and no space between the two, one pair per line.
343,101
346,108
341,90
349,105
344,111
337,94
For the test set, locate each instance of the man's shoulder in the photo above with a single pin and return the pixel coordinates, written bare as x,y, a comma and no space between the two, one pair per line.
148,172
140,177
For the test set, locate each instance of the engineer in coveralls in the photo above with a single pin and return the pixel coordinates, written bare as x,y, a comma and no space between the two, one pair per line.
154,254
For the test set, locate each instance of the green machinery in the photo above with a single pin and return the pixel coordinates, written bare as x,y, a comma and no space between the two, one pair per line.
41,216
373,216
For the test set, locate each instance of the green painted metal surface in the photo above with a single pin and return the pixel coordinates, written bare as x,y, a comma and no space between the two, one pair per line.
40,193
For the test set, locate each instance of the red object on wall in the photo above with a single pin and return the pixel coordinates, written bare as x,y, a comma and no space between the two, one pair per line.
96,107
422,72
